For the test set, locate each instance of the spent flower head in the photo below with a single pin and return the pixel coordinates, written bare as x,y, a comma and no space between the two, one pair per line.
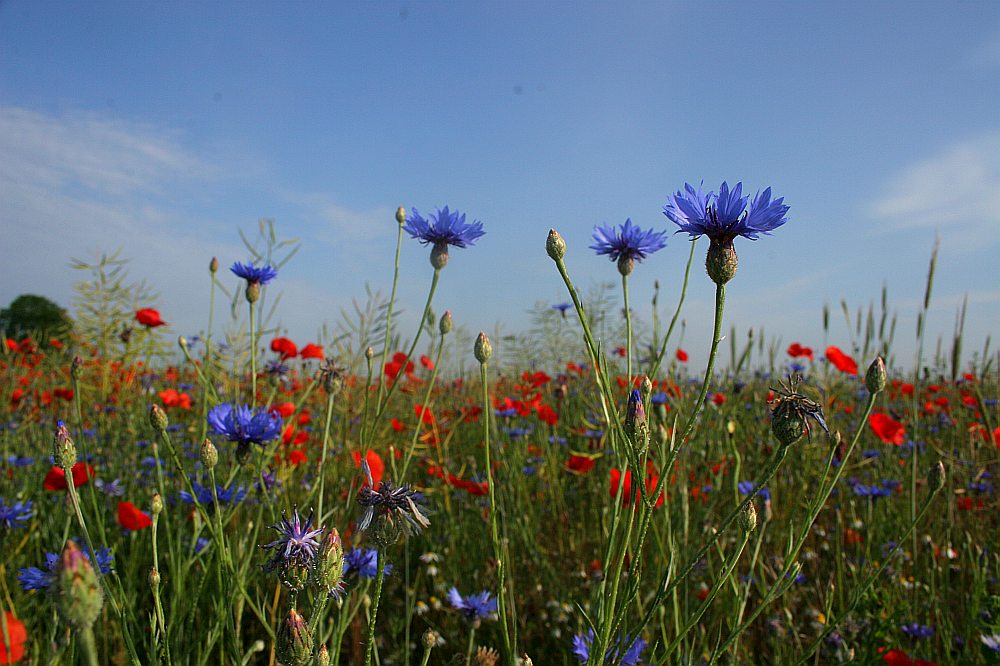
391,510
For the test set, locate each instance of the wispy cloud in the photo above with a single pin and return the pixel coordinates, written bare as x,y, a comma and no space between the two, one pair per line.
956,192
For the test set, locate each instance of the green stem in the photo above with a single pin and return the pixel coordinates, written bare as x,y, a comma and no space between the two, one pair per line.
253,360
89,646
322,460
379,576
628,333
423,408
388,312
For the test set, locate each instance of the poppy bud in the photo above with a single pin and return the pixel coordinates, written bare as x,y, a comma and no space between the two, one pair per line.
439,256
875,377
446,323
213,266
721,261
63,448
401,216
79,596
555,245
483,349
936,477
158,418
157,504
209,454
748,518
295,642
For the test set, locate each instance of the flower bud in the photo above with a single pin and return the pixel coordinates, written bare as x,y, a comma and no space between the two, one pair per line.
445,324
429,639
439,256
158,418
78,592
209,454
154,579
555,245
295,642
369,353
63,448
401,216
721,261
182,342
936,477
875,377
635,421
748,518
156,505
483,349
646,386
76,367
323,656
329,571
213,266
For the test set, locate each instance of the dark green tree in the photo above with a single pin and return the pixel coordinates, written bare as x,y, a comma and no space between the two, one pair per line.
29,314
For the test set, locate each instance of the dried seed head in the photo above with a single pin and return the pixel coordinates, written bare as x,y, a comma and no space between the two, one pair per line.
748,518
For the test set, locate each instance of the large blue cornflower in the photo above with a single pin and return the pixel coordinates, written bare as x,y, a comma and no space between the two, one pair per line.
15,515
722,217
35,578
260,275
297,545
727,215
230,495
441,229
244,425
475,606
628,244
631,656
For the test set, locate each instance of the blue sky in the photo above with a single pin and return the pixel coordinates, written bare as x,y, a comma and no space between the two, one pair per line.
162,128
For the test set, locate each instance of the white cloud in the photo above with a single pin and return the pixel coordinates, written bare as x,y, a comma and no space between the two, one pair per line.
956,192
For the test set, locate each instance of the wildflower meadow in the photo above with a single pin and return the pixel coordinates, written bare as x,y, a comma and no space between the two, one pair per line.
589,496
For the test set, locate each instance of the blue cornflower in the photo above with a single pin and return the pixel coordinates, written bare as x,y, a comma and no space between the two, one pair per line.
746,487
364,561
259,275
628,244
915,630
722,217
112,488
474,607
20,461
727,215
230,495
443,228
562,307
244,425
992,641
631,656
392,505
297,544
16,515
34,578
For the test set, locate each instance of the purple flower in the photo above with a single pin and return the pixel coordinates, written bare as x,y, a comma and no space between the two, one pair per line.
475,606
254,274
16,515
628,242
992,641
364,561
630,657
229,495
725,216
35,578
915,630
244,425
746,487
444,227
297,543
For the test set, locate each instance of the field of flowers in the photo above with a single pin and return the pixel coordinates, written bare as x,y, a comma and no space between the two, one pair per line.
243,498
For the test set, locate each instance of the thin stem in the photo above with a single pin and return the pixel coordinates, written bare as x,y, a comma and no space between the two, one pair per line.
628,332
379,576
388,312
253,359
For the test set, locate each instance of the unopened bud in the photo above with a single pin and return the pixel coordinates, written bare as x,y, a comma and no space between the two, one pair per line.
646,386
635,421
182,342
446,323
748,518
526,660
76,368
156,505
213,266
875,377
555,246
329,571
401,216
158,418
369,353
79,597
936,477
63,448
429,639
483,349
295,642
209,454
323,656
154,579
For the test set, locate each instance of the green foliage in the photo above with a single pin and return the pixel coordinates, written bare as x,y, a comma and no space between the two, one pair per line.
32,315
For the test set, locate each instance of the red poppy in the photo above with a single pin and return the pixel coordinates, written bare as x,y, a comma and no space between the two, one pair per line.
312,351
172,398
426,362
471,487
397,425
285,409
547,415
297,457
580,464
719,399
651,480
841,361
11,344
424,414
399,362
285,347
887,429
132,518
56,477
682,355
13,653
375,464
896,657
64,393
620,351
795,350
149,318
55,343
